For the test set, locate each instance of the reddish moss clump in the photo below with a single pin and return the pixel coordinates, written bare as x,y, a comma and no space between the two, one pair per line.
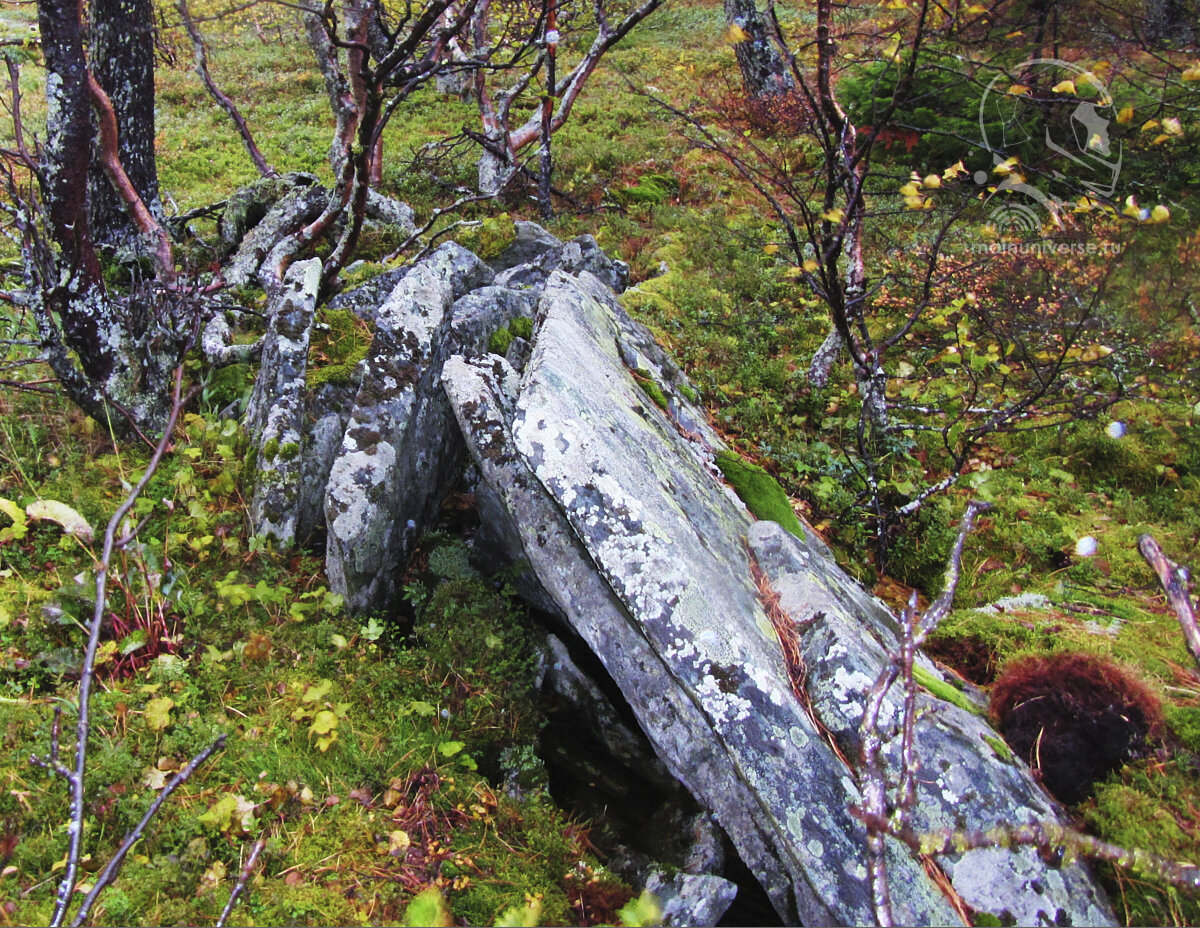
1075,718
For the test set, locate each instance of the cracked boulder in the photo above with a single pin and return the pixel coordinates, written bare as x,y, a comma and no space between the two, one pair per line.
400,452
612,501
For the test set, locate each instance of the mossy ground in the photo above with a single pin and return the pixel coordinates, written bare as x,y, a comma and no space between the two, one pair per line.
369,757
258,634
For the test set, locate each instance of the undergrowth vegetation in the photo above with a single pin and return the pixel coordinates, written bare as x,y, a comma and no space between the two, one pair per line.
374,755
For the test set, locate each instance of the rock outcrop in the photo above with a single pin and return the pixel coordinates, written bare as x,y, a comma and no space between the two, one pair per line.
596,476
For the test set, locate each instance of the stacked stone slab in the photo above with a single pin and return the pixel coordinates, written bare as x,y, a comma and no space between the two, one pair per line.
596,473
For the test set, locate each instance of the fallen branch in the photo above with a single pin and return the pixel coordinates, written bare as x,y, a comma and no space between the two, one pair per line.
1174,579
243,879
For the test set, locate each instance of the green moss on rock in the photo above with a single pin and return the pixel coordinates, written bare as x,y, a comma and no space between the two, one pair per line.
761,492
500,341
943,690
521,327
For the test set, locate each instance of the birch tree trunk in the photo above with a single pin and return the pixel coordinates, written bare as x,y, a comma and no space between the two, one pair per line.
764,72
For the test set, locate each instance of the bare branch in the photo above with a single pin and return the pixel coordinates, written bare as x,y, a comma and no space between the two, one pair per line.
77,777
215,92
243,879
1174,579
113,867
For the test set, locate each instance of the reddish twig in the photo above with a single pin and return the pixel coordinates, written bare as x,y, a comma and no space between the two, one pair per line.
215,92
164,258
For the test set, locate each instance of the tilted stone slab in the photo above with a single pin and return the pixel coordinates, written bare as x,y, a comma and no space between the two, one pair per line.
275,413
399,452
967,779
643,551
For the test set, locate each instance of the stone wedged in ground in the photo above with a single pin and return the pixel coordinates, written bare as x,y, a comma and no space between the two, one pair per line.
596,474
275,413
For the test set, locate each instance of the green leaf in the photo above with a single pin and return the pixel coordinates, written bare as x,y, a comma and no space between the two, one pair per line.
428,910
220,814
158,712
372,630
421,708
450,748
521,916
317,691
134,641
17,530
324,722
640,912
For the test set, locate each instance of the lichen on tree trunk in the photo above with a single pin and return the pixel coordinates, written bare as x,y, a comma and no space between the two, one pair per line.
122,60
764,71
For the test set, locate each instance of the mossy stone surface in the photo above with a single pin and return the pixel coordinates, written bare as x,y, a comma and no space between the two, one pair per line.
761,492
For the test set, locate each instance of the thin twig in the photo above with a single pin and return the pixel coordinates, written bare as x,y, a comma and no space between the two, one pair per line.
77,777
239,122
873,811
113,867
243,879
1174,580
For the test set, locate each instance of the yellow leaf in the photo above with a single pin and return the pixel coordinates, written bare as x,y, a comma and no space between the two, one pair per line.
1125,117
1171,126
1160,138
735,34
833,215
106,653
910,189
154,779
70,520
770,249
954,170
1067,86
811,266
932,181
1005,167
1160,214
975,9
1131,208
158,712
1192,73
1149,124
398,842
1015,35
914,202
1018,90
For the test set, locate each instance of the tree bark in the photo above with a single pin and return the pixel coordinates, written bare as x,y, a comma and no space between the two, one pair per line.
122,60
764,72
65,156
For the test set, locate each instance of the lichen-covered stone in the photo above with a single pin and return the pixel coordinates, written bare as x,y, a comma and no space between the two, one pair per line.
400,452
845,639
275,413
535,254
639,548
687,899
295,208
